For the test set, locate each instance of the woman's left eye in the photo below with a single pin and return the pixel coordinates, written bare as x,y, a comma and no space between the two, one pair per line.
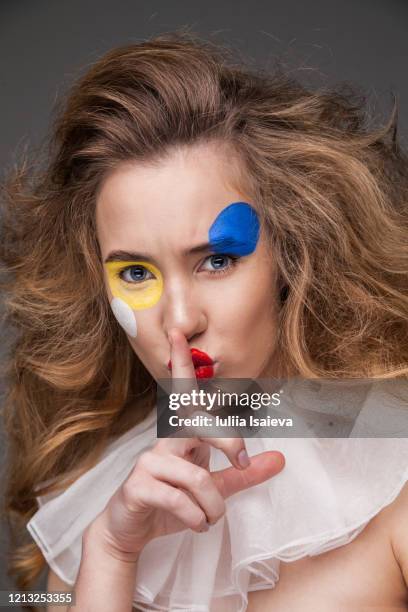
217,262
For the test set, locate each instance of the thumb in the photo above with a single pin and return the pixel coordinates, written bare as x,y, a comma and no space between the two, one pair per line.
262,467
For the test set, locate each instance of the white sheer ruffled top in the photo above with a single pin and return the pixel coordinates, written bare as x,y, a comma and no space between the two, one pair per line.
327,492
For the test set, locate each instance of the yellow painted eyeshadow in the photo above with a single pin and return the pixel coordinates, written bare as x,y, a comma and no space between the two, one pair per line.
140,294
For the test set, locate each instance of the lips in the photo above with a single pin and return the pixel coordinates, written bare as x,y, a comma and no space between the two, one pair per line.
200,358
203,364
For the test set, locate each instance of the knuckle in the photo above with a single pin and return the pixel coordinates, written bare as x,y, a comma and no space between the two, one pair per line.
218,512
236,445
227,445
175,499
197,522
130,493
200,478
160,444
135,488
145,460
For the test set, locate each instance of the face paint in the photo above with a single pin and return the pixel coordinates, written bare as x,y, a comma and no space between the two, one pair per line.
130,296
235,230
124,316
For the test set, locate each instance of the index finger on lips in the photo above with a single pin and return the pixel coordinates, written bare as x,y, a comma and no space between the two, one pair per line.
182,366
184,381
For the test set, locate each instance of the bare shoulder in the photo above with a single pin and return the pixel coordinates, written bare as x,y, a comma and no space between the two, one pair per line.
398,517
372,567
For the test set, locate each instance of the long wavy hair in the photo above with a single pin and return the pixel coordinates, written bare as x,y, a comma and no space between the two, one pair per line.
332,191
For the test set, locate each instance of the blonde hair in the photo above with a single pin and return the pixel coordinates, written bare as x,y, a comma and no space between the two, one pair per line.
332,191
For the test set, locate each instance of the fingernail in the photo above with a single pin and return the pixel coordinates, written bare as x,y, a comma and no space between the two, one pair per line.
243,459
205,527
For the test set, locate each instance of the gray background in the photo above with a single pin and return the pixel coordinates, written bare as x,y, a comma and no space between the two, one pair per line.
45,44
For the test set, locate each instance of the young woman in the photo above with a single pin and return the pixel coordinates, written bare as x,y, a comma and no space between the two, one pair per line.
196,218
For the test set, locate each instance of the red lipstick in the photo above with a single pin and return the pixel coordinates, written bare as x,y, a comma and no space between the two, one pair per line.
203,364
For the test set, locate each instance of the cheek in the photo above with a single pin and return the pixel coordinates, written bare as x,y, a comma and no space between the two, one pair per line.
249,309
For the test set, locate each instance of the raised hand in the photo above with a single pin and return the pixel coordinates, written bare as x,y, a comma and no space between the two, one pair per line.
171,488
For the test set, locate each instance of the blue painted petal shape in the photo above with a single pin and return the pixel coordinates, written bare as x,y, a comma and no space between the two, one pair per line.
235,230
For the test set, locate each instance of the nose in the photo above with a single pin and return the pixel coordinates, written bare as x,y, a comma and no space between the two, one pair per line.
184,309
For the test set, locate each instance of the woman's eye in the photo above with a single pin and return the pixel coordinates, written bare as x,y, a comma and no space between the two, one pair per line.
218,263
135,274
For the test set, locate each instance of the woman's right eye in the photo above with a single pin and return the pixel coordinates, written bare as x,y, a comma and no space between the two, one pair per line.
135,274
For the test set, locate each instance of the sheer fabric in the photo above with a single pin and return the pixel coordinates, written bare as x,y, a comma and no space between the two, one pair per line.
327,492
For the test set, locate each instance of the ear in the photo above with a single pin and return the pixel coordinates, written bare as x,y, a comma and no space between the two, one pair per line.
283,294
283,289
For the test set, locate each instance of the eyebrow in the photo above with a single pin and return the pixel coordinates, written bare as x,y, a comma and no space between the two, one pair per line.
133,256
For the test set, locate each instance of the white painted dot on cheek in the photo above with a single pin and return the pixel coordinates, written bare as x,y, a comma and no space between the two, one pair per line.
124,316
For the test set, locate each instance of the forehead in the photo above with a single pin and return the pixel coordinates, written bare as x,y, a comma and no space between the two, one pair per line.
170,204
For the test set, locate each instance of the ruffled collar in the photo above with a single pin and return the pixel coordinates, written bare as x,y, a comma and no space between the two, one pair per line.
328,491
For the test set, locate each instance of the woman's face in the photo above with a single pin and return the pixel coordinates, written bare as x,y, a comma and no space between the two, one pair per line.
149,220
